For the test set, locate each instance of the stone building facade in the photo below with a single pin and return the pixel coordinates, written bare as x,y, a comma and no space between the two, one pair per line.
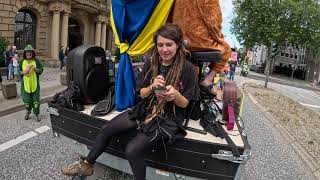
290,59
50,24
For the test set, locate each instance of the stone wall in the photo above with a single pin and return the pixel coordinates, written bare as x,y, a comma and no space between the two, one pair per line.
8,11
87,12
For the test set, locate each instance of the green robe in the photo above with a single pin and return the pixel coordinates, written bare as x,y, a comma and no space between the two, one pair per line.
30,85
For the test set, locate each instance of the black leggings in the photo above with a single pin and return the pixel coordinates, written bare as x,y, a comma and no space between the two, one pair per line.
135,148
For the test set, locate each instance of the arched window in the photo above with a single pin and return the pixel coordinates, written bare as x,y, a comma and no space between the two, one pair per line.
25,33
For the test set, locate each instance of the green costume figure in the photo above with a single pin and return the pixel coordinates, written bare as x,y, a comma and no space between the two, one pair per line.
30,68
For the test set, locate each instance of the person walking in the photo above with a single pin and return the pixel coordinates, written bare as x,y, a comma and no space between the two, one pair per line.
66,52
7,60
13,54
4,56
15,65
233,66
61,57
30,69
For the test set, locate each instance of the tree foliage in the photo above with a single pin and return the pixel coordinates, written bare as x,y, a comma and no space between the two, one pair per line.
3,45
259,22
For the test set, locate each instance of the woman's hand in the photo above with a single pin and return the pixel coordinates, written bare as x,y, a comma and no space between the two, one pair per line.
32,68
171,93
26,73
158,81
174,95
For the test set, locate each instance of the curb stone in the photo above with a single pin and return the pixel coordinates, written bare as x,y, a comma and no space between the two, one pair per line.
287,136
311,163
307,158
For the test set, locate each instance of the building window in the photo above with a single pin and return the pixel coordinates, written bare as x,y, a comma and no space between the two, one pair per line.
25,33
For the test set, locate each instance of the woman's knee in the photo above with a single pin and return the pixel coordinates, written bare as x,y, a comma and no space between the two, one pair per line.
106,131
132,152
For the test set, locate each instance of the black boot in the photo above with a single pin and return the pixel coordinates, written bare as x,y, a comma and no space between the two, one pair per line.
38,119
26,117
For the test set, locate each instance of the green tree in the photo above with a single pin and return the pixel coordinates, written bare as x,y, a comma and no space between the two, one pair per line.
263,22
3,45
258,22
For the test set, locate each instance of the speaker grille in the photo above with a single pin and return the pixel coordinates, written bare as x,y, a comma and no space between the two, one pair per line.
97,84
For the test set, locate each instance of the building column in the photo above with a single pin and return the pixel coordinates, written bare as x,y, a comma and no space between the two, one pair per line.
55,34
98,34
64,30
109,40
104,35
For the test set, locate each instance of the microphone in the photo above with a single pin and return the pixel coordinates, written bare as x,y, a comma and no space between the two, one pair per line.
164,70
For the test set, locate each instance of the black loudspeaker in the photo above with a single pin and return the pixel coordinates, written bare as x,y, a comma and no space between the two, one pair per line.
88,69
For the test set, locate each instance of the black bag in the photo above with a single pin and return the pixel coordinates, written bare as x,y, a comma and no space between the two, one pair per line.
69,98
196,112
209,123
105,106
205,94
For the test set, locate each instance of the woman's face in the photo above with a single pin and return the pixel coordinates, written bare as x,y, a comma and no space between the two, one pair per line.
167,49
29,54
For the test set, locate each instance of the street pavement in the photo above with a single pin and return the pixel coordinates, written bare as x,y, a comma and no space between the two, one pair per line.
278,147
298,90
281,79
272,157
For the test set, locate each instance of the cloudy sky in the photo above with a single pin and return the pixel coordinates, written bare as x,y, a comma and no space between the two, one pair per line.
227,13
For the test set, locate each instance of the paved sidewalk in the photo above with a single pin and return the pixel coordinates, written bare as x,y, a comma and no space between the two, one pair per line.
310,161
49,85
285,80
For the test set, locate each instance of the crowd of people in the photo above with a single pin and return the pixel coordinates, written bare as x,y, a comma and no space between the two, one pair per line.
11,62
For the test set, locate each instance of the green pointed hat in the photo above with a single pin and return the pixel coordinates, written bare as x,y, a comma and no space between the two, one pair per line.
28,48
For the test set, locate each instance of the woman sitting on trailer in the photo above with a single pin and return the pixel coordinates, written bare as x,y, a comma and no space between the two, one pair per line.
166,85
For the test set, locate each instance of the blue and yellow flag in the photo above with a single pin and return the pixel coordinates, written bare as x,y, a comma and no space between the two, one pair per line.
134,22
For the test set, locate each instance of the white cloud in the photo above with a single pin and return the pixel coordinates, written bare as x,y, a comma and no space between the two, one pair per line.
229,41
226,8
227,14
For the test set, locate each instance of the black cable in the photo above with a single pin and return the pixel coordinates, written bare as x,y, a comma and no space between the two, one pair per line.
164,144
175,177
